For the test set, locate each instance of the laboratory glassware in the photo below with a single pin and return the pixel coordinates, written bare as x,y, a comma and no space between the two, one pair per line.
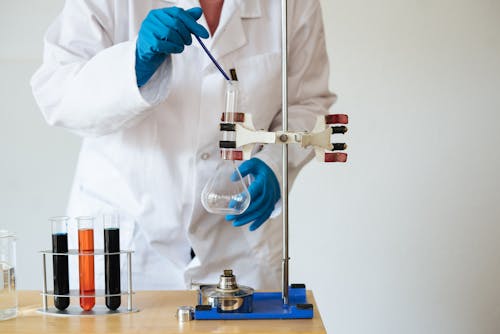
86,262
60,262
224,74
112,262
226,192
8,296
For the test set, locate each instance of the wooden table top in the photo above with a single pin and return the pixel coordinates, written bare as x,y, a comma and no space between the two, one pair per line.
156,315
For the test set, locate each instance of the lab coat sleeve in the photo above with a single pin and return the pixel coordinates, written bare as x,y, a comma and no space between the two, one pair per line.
87,82
308,93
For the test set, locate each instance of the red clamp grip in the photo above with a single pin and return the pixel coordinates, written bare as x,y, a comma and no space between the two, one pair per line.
336,119
233,117
335,157
231,155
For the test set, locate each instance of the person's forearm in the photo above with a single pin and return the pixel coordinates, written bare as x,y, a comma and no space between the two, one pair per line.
98,96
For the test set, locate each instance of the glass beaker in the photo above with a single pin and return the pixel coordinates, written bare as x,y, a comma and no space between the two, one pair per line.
8,296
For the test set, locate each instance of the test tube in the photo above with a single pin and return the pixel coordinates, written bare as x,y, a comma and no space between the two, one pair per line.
232,95
112,262
86,262
60,262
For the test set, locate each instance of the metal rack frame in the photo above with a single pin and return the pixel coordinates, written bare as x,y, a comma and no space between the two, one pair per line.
98,309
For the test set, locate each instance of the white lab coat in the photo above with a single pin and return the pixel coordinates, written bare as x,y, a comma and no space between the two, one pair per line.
148,152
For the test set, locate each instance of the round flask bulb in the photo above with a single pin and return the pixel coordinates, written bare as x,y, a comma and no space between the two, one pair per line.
226,192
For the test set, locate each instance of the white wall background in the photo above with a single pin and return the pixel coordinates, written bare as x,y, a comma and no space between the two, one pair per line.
402,239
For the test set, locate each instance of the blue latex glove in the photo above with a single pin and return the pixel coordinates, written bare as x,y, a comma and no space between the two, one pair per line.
164,31
264,192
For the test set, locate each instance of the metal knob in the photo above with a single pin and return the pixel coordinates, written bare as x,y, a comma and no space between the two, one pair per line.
185,313
227,281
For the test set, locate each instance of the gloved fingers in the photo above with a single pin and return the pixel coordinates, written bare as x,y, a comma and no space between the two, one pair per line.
257,187
258,201
250,210
195,12
259,221
257,196
173,36
184,32
241,199
267,199
247,167
168,20
264,191
158,36
249,177
150,31
247,218
244,214
276,190
168,47
233,204
189,22
235,176
158,23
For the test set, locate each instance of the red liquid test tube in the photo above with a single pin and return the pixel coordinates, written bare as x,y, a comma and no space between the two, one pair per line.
86,262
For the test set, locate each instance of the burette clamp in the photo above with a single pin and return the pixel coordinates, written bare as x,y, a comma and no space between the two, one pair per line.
239,136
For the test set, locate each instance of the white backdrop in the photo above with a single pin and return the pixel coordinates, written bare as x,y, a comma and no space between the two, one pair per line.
402,239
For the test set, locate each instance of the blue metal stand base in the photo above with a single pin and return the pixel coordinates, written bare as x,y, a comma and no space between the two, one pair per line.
266,305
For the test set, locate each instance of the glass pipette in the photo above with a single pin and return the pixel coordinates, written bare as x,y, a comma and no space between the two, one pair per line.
213,59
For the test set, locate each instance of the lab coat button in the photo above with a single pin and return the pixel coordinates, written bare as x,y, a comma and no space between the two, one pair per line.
205,156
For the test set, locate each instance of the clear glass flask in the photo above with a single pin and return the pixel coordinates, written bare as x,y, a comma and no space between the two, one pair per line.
8,295
226,192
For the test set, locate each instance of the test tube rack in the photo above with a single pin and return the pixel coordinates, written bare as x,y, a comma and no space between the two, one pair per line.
73,311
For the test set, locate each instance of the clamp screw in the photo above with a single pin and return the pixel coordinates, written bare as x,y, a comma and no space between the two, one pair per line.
283,138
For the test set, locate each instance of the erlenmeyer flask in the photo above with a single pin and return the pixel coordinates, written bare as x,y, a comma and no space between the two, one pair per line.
226,192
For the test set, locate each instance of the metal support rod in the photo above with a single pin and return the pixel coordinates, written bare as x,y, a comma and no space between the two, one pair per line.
44,296
284,113
129,281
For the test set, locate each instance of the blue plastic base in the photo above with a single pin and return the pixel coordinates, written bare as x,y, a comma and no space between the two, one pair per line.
267,305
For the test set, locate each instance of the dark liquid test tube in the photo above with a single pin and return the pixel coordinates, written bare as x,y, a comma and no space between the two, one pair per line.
112,267
60,262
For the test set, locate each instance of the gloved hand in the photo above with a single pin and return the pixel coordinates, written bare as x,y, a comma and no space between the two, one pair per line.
264,192
164,31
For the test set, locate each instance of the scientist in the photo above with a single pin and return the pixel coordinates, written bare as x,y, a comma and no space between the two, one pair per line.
128,78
